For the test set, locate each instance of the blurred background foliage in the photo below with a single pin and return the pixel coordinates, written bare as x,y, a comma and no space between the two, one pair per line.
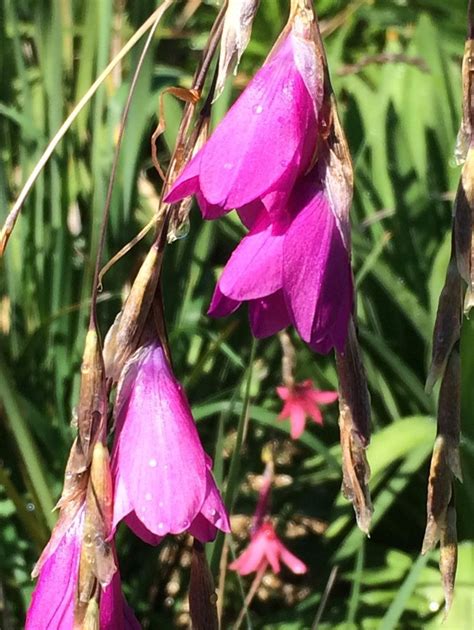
395,67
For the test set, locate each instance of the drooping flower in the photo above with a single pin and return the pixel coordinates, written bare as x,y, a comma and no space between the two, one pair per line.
265,549
266,140
293,271
301,402
163,482
53,601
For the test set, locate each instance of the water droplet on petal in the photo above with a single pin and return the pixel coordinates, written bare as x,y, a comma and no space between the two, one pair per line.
148,496
258,109
152,463
212,512
160,525
228,166
185,524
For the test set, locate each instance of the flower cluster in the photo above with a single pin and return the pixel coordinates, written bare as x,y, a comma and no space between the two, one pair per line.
159,482
272,160
278,159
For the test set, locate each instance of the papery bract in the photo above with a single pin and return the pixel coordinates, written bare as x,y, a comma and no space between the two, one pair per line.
162,476
301,401
265,548
264,143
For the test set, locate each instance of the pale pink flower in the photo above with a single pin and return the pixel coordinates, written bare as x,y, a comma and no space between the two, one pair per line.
163,482
53,600
265,549
302,401
266,140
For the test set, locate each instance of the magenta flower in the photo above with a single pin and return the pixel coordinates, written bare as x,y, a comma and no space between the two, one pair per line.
53,600
294,271
265,549
293,267
301,401
163,482
266,140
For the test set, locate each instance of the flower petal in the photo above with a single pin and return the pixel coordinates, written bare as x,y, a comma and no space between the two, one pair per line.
268,315
166,484
316,273
324,398
291,561
255,268
270,132
297,420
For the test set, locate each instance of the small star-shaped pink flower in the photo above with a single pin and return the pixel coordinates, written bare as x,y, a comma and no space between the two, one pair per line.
303,400
265,549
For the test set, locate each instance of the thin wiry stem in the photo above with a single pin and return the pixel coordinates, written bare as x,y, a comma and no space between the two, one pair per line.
113,172
15,211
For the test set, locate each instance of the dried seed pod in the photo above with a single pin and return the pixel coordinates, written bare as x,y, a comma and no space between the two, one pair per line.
202,594
236,33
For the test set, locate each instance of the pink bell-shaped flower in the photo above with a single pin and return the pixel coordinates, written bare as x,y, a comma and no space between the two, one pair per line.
163,482
266,140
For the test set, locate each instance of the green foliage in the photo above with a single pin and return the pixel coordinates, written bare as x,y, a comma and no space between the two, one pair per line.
401,120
